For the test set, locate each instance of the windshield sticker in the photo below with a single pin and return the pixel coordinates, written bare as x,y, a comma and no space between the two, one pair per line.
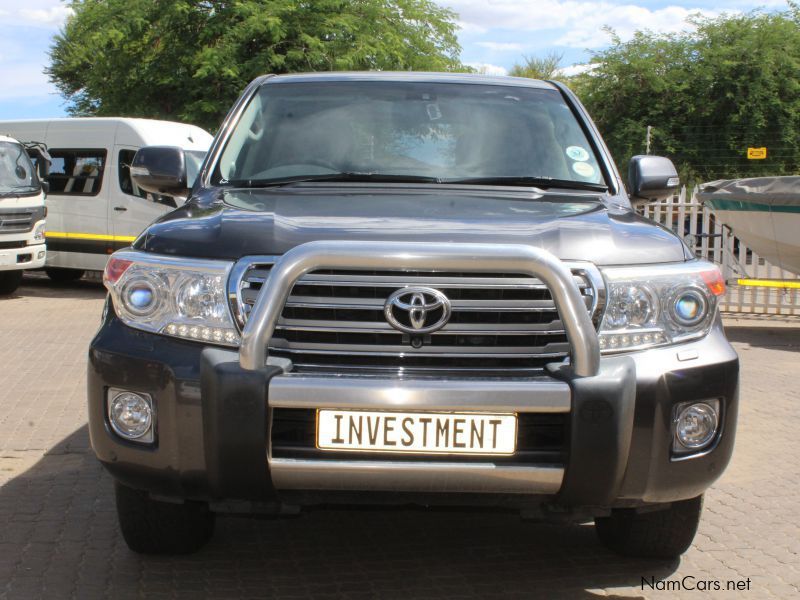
583,169
434,112
577,153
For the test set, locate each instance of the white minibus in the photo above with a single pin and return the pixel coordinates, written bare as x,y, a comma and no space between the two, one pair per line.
93,206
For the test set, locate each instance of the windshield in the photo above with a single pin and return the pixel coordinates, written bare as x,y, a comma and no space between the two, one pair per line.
444,132
16,171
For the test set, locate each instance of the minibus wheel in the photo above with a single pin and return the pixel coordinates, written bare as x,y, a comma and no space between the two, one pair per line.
64,275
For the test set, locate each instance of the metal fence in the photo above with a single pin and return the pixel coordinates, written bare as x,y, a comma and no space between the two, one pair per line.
710,239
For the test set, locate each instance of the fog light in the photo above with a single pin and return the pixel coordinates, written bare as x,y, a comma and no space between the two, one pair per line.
131,415
696,424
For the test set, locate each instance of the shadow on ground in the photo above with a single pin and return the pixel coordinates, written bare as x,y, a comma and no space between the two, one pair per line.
783,338
59,538
35,284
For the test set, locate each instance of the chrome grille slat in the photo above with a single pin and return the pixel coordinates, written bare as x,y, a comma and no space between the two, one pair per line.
377,303
534,284
394,351
430,278
377,327
531,371
503,325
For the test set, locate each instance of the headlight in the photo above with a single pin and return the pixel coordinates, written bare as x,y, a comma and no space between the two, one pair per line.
38,235
659,305
174,296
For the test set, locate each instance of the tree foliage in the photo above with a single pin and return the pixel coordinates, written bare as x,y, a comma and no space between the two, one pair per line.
538,67
732,83
188,59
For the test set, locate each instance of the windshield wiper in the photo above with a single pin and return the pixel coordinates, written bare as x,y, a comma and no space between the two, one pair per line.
345,176
16,190
351,176
542,182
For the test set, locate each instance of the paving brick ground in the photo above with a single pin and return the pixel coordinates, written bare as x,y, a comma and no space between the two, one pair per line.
58,534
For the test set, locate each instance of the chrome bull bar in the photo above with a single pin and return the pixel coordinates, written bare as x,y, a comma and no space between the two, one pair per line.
482,258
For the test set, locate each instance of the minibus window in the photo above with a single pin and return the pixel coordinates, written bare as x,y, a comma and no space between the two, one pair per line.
76,172
126,184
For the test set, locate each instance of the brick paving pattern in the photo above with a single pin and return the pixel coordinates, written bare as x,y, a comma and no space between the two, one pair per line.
59,538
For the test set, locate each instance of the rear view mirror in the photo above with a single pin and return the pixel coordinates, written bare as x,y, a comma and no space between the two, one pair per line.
652,178
161,170
38,153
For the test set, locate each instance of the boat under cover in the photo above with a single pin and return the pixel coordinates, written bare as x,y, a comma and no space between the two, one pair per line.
764,212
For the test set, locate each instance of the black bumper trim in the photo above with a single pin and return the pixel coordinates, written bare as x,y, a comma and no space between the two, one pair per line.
235,425
600,431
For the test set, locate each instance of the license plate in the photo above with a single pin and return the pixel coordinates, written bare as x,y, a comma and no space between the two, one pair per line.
416,432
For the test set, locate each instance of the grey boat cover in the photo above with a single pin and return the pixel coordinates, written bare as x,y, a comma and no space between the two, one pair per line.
773,191
764,212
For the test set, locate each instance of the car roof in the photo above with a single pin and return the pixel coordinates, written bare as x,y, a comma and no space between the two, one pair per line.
411,76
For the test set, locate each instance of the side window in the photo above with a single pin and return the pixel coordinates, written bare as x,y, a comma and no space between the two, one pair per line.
76,172
126,184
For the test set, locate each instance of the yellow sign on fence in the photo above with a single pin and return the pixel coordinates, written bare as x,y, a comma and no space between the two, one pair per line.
756,153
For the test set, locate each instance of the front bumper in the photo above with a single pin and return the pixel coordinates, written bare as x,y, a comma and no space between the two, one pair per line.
214,427
25,253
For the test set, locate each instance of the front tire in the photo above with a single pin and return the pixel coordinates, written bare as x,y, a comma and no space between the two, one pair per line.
152,527
9,281
64,275
666,533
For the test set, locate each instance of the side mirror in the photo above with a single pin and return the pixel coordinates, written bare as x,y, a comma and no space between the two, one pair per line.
41,158
45,186
160,170
652,178
43,168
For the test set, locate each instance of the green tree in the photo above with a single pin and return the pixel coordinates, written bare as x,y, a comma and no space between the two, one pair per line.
189,59
709,94
534,67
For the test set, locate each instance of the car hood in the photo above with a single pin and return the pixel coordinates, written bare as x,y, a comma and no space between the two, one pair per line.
232,224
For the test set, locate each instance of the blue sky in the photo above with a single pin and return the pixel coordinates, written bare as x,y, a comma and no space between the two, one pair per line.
494,35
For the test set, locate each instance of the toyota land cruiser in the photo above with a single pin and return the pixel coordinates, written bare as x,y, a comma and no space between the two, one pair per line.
410,289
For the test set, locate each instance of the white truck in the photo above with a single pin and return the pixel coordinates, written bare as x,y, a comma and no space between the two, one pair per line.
22,214
94,208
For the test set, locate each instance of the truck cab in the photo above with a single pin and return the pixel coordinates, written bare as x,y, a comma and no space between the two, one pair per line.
22,214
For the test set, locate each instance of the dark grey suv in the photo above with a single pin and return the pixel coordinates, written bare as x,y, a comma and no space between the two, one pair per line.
410,288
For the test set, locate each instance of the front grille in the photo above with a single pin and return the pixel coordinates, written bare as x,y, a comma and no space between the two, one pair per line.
501,325
541,439
16,220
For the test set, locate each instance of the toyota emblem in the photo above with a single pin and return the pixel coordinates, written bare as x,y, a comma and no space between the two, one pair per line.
417,310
